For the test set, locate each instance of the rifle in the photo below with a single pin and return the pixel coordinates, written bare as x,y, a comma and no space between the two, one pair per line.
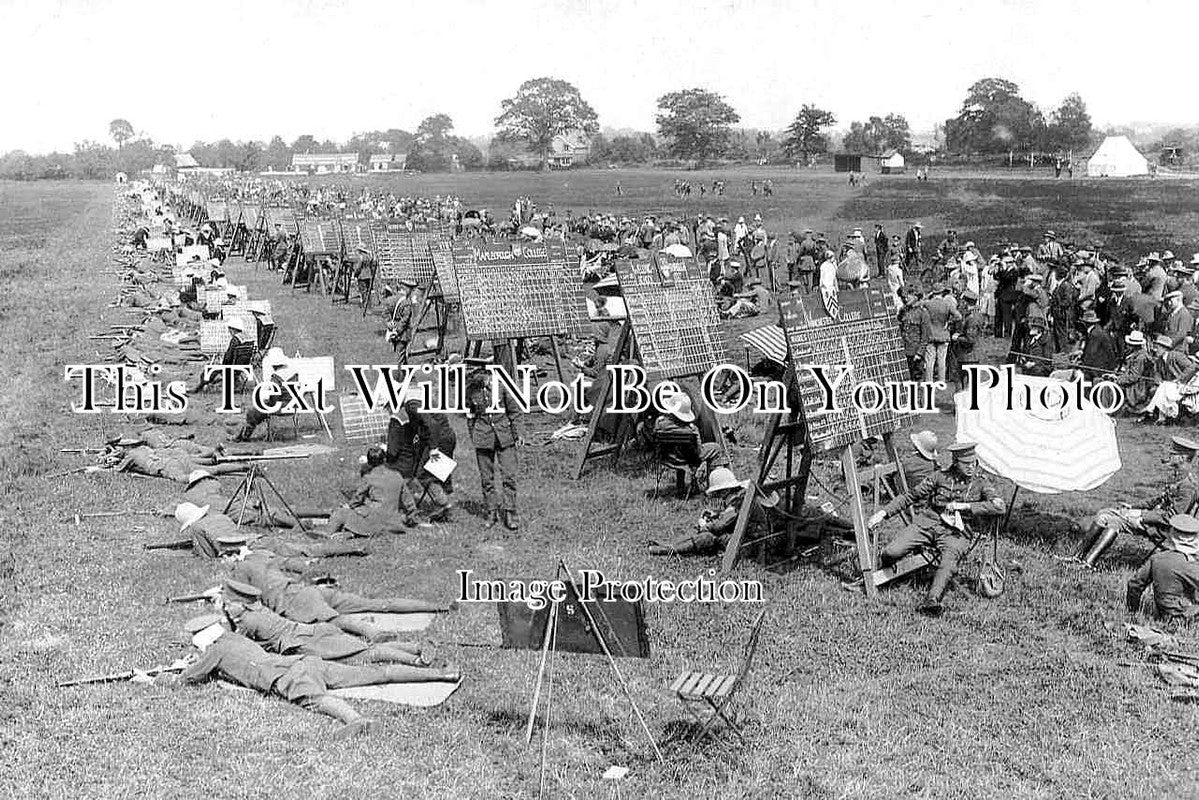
120,677
260,457
77,518
82,450
188,598
171,544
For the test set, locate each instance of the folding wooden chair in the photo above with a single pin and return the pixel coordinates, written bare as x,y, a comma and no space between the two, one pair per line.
713,693
670,452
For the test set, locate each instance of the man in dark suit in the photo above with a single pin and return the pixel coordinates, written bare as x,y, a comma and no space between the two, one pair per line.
911,247
1099,352
495,437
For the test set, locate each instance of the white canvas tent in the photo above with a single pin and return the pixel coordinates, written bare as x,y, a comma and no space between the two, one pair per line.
1116,158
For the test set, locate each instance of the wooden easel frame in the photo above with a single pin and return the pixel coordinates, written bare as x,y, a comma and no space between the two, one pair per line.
549,651
785,433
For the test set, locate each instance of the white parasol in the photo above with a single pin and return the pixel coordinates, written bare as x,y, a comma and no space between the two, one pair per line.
1044,450
678,250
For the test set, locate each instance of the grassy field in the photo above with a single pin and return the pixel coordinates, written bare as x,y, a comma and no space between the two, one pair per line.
1028,695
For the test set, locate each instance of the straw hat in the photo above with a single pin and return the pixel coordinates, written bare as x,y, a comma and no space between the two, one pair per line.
926,444
189,514
722,479
679,407
197,475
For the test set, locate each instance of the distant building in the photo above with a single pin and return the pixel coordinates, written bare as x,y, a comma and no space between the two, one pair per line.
569,150
185,161
1171,156
388,162
892,163
323,163
847,162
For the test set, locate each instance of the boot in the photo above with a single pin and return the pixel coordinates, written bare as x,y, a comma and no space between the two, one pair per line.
353,723
442,514
1098,546
932,605
491,519
511,521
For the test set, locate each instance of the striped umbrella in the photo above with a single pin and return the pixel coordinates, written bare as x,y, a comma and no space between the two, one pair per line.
1044,450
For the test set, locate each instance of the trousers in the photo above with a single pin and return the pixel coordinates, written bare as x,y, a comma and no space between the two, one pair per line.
934,360
950,543
505,459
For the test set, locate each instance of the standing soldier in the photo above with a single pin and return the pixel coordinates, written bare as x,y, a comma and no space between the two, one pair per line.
946,495
495,436
913,330
969,333
1062,303
911,247
882,245
399,329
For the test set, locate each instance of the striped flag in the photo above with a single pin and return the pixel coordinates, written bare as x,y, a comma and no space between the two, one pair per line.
831,304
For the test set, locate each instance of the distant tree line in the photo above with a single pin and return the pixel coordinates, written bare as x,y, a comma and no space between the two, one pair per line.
694,126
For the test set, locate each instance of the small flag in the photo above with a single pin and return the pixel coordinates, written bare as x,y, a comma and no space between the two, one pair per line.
831,304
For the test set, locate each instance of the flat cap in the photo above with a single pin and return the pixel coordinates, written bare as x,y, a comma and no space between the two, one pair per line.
242,589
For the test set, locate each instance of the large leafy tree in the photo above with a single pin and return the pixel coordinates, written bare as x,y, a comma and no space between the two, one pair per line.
697,123
879,134
805,135
435,128
541,109
1070,125
121,131
994,118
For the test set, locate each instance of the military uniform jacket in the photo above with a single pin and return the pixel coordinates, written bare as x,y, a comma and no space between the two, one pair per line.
280,635
490,431
946,486
1175,583
240,661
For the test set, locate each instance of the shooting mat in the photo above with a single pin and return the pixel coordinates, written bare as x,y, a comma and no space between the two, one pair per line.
674,320
865,337
513,290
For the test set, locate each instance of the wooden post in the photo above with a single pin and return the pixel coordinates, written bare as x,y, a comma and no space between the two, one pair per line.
861,534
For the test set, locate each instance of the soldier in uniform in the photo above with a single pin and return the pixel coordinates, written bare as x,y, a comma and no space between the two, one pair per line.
716,524
1174,573
304,680
303,602
249,617
1180,496
214,534
400,328
946,494
495,437
969,334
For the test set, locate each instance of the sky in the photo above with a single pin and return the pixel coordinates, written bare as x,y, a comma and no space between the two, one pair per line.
182,72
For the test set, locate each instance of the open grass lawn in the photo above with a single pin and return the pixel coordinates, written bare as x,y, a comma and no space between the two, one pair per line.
1022,696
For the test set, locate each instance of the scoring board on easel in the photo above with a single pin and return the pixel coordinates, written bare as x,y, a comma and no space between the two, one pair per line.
855,331
519,289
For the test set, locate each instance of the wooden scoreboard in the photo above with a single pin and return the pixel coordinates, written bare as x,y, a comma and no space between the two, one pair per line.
674,318
513,290
855,332
864,337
